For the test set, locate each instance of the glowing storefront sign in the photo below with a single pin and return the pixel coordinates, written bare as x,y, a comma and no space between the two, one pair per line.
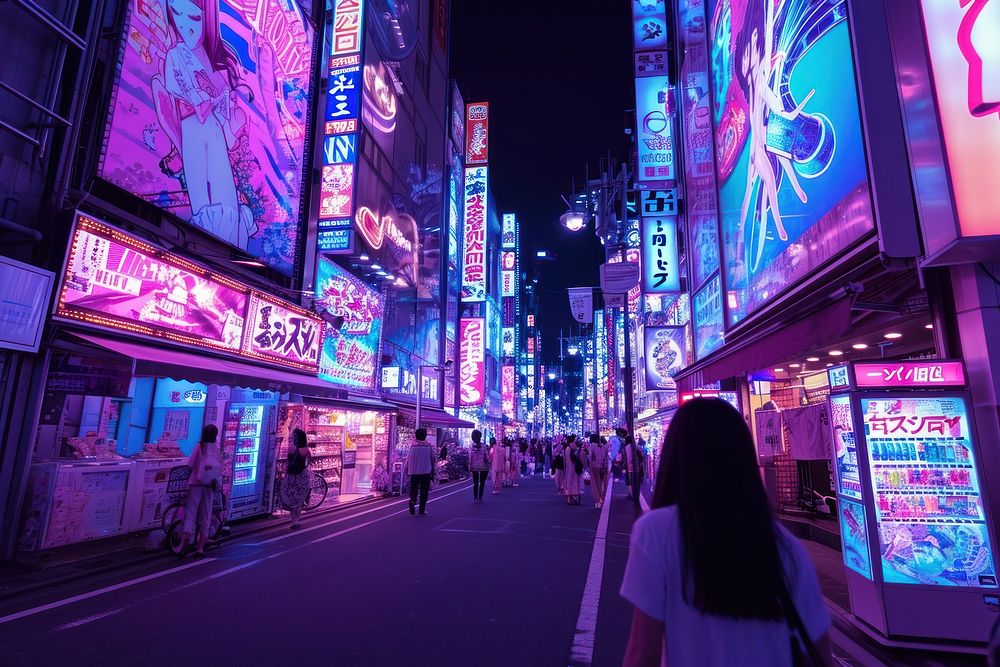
910,374
962,39
472,368
208,118
477,125
348,27
507,377
655,136
474,237
349,354
115,281
660,265
509,231
649,25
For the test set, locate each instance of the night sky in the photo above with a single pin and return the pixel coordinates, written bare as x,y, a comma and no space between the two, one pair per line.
558,80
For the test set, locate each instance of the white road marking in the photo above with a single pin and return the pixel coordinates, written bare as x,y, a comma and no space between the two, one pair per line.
582,651
89,619
100,591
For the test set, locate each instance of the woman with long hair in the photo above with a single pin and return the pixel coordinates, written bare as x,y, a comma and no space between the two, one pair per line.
714,579
295,486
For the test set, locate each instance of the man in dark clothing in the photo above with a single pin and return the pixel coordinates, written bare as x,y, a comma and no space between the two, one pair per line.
420,465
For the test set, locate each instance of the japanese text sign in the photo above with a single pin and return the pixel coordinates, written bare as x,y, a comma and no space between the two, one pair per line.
509,231
660,266
474,239
283,333
348,27
507,381
655,136
477,133
472,367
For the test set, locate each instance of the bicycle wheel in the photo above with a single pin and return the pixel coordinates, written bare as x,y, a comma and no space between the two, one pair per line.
174,512
318,489
175,540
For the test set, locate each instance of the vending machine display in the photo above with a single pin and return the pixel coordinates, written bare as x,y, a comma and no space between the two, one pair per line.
931,521
248,440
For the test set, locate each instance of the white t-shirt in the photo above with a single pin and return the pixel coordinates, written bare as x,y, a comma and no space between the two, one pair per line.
653,584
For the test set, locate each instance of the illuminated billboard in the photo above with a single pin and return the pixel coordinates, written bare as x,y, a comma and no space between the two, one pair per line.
472,355
477,128
115,281
507,383
474,236
208,118
706,315
660,264
789,147
350,353
961,40
649,25
655,136
666,355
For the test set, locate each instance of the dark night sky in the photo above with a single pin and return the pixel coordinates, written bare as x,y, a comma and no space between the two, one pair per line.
558,80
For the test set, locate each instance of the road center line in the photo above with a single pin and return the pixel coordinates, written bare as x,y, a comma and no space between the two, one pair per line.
582,651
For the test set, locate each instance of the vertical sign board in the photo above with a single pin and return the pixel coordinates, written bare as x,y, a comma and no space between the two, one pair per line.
650,42
660,264
474,236
477,127
340,129
472,356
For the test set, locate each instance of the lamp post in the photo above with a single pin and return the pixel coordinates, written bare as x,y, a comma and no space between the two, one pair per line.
420,382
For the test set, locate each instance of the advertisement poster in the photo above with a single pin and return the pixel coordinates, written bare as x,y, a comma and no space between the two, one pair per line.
474,237
845,447
472,353
477,126
118,282
931,521
854,537
706,311
661,270
507,382
789,147
961,39
209,118
350,353
649,21
655,140
282,333
665,350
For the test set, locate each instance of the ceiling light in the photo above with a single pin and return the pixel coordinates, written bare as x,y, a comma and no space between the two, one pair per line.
893,336
363,257
860,346
836,353
248,262
829,365
928,326
779,370
795,365
812,359
376,267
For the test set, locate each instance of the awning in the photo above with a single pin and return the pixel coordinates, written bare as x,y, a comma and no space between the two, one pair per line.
434,417
153,360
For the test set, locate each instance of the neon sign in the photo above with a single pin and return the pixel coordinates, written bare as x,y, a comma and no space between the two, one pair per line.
472,355
474,240
910,374
660,265
477,125
350,354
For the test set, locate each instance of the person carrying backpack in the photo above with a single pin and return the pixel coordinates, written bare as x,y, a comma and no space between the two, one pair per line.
206,477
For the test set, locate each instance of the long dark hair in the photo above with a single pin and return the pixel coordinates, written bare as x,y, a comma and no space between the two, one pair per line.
730,561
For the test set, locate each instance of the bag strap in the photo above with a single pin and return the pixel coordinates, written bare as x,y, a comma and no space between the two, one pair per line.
797,627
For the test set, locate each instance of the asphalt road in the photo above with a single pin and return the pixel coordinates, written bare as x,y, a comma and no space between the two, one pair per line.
501,583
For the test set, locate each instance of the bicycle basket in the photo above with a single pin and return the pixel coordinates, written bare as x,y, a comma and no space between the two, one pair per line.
177,482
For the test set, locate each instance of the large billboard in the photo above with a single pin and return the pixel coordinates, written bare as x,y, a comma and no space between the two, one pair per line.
655,137
472,368
961,39
661,271
666,355
350,353
706,316
115,281
209,118
790,155
474,236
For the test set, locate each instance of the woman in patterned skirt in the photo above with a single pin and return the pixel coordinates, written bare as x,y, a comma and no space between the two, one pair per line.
295,487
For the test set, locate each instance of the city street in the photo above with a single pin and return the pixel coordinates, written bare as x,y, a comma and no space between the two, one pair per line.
501,583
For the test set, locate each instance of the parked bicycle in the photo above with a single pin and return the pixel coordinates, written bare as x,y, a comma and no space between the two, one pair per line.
177,486
318,489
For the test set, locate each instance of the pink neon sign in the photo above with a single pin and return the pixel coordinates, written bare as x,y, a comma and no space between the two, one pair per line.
472,353
910,374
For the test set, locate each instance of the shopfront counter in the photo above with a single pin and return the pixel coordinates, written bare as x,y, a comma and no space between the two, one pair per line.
70,501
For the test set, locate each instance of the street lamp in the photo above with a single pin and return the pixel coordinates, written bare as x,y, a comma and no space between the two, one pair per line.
420,382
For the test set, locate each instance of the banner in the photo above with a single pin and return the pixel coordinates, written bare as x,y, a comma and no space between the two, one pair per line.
472,355
769,435
477,125
581,303
809,437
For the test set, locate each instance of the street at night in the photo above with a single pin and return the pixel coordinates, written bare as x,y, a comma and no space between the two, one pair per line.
453,332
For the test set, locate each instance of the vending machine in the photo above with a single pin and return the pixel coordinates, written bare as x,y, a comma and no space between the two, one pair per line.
249,433
916,530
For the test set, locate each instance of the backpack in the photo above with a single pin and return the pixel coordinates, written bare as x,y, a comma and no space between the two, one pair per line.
577,465
209,470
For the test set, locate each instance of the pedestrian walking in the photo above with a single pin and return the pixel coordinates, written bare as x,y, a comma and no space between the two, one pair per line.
598,454
498,465
558,463
615,448
479,465
514,464
573,467
420,466
295,485
694,604
206,477
547,462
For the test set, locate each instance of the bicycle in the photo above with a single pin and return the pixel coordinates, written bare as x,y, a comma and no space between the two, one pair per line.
318,489
177,483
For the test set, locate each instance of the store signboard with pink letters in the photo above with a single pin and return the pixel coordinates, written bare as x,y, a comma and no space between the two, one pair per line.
472,353
115,281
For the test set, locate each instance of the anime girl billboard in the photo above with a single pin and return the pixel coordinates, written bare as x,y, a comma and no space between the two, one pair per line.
789,148
209,117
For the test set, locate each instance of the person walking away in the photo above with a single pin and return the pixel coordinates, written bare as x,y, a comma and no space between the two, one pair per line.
514,472
547,462
206,478
523,450
694,604
558,463
572,472
498,465
479,465
295,486
598,469
420,466
615,448
627,462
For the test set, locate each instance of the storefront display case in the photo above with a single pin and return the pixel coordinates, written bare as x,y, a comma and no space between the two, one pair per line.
917,531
